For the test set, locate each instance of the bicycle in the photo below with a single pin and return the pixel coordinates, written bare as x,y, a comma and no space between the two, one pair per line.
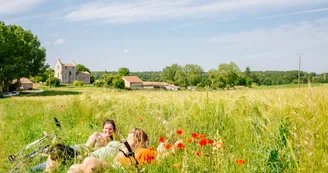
32,151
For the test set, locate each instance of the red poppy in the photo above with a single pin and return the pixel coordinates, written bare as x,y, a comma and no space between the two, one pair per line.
180,145
179,132
240,162
152,148
194,135
189,140
202,142
210,141
161,139
202,136
197,153
168,146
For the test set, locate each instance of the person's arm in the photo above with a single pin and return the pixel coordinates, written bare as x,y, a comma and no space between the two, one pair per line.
92,140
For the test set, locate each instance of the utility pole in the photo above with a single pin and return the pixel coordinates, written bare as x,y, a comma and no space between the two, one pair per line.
299,72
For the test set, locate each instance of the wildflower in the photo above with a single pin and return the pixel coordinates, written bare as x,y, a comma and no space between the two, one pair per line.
194,135
189,140
168,146
180,145
202,136
179,132
210,141
202,142
161,139
151,148
197,153
140,118
240,162
217,145
176,165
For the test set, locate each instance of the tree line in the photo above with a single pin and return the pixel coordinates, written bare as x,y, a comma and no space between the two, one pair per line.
225,76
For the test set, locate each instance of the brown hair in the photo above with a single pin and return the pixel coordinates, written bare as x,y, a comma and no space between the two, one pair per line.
140,139
112,122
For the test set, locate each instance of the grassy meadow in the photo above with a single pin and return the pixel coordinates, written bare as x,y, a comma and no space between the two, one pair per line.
267,130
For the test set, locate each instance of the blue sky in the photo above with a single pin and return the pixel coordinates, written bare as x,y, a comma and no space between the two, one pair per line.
147,35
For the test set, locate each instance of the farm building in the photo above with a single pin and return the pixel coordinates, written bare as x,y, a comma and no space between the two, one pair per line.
24,83
84,76
132,82
151,85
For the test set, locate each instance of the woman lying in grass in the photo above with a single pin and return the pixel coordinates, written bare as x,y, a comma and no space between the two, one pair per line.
95,141
110,156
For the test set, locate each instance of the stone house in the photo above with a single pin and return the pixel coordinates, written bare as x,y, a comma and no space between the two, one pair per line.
67,73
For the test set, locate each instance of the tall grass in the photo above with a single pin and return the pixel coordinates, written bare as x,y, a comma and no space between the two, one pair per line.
274,130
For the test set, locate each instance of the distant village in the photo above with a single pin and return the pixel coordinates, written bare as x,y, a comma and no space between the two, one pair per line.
67,74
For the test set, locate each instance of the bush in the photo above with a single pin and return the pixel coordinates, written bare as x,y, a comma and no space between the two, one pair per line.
118,82
54,81
99,83
78,83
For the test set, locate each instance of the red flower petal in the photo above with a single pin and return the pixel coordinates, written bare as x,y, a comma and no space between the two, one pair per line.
210,141
189,140
197,153
194,135
161,139
168,146
202,142
240,162
179,132
180,145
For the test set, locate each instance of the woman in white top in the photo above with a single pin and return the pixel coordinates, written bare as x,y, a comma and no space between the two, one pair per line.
102,158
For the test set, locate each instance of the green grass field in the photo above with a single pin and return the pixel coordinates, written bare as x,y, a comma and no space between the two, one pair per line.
270,130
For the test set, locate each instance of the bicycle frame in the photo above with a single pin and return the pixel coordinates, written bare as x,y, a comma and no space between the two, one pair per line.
20,158
13,158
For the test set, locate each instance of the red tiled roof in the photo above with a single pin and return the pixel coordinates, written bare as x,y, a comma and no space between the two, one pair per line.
132,78
154,84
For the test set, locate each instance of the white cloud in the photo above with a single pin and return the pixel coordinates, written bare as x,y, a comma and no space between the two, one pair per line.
11,7
59,41
145,10
126,51
278,44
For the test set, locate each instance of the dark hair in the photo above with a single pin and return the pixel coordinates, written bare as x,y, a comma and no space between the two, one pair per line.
112,122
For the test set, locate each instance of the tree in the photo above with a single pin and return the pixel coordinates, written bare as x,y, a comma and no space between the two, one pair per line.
169,72
214,79
21,54
248,72
80,68
229,73
54,81
193,73
42,77
123,71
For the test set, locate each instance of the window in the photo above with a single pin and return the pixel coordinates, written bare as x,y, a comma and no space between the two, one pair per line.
65,67
57,66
